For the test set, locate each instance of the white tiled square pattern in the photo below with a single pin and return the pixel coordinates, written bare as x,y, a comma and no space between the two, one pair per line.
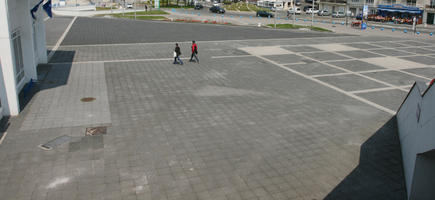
393,63
266,50
334,47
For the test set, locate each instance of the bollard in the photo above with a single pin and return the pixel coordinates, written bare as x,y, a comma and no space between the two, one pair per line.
296,19
199,14
333,22
268,16
393,30
430,34
250,17
405,31
305,20
277,18
241,17
382,29
222,16
373,27
342,23
418,33
231,16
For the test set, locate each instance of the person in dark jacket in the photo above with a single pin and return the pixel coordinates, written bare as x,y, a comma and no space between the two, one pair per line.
177,54
194,52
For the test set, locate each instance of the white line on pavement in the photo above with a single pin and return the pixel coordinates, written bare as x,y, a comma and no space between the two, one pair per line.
331,86
61,38
3,137
111,61
236,56
373,90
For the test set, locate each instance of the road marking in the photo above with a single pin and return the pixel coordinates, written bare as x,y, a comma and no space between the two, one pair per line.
112,61
236,56
296,63
330,86
376,89
3,137
61,39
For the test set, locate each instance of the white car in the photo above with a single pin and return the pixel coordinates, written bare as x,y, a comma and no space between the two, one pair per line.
129,6
310,11
297,11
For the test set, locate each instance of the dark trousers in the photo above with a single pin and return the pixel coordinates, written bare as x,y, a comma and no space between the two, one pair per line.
177,58
194,55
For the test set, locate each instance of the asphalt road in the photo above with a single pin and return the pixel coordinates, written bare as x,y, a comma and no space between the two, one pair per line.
116,31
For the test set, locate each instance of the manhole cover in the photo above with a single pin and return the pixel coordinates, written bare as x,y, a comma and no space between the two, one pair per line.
87,99
55,142
96,130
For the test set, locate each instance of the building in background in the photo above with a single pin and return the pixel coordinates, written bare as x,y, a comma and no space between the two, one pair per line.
23,46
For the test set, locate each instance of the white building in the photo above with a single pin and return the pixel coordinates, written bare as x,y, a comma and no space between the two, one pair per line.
278,4
22,41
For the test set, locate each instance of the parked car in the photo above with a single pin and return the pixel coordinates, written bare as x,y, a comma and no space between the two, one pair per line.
306,8
339,14
296,11
273,9
323,13
262,13
359,17
298,2
198,7
310,11
217,9
129,6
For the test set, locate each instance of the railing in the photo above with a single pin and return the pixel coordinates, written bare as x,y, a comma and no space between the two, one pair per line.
430,6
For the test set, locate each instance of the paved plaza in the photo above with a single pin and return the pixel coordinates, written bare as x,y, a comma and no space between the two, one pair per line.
264,115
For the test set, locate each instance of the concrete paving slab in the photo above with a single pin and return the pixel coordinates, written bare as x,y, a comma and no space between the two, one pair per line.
363,46
393,63
359,54
334,47
301,49
385,98
351,82
414,43
287,58
314,68
388,44
389,52
266,50
427,60
427,72
415,50
326,56
394,77
356,65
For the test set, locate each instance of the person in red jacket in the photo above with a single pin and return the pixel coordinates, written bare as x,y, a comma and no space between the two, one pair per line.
194,52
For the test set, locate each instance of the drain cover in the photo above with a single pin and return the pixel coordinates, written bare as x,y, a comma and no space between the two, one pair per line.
96,130
55,142
87,99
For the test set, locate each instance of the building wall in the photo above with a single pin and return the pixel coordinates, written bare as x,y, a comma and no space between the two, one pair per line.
416,123
15,17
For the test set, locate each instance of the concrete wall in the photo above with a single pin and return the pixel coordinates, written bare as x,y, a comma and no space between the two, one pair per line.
15,15
416,122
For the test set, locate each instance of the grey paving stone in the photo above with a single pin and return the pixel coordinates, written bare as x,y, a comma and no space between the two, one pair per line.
389,52
415,50
426,72
300,49
359,54
427,60
356,65
389,44
287,58
394,77
314,68
363,46
325,56
385,98
351,82
414,43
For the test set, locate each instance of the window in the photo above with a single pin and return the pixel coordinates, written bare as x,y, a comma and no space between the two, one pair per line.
18,55
370,1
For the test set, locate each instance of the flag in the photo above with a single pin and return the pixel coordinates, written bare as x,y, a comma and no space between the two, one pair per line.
34,9
47,8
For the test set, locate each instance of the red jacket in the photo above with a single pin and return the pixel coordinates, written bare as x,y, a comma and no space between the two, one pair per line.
194,48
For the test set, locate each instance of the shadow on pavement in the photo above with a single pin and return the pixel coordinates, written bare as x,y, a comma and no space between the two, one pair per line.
379,174
49,76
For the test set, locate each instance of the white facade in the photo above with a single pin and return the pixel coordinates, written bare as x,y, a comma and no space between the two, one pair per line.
416,123
22,42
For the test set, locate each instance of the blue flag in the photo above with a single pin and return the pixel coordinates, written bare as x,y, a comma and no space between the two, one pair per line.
47,8
34,9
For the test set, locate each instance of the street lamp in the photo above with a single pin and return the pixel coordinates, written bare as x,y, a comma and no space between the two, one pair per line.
312,14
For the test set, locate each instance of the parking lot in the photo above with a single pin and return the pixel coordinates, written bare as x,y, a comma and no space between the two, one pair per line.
268,115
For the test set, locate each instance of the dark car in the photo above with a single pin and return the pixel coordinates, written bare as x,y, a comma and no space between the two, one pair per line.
217,9
198,7
306,8
262,13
